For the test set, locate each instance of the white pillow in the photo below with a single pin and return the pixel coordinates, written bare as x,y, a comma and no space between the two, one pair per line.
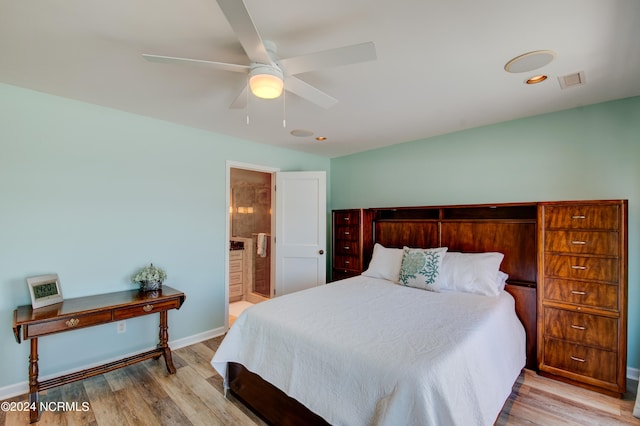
471,272
501,280
421,267
385,263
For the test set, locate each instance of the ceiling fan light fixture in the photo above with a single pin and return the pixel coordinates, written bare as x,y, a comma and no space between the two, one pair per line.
266,81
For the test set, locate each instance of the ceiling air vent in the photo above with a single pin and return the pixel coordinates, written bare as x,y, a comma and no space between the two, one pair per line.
572,80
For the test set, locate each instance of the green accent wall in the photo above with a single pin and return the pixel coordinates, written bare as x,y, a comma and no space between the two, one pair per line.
584,153
92,194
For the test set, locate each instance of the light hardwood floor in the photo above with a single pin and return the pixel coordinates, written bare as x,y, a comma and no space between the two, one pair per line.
144,394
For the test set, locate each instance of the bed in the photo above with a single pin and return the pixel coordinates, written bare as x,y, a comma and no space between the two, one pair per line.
369,350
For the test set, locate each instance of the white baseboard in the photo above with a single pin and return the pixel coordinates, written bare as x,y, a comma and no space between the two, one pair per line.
633,373
196,338
22,388
14,390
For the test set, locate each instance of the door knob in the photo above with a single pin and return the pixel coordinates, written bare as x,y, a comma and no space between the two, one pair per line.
321,251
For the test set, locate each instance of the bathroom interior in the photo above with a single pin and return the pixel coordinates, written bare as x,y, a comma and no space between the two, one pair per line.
250,242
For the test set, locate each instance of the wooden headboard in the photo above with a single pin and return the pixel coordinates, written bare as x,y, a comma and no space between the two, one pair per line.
506,228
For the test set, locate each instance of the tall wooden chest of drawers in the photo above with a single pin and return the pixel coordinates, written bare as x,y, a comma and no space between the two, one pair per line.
347,248
582,293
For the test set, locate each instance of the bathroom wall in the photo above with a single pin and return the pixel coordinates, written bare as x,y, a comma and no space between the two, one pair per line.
250,202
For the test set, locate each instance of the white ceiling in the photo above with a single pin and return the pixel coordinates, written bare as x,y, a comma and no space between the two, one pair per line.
439,67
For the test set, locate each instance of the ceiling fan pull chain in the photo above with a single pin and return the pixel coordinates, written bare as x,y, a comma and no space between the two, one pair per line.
247,90
284,109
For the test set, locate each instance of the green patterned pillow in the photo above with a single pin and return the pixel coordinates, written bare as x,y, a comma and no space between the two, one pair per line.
421,267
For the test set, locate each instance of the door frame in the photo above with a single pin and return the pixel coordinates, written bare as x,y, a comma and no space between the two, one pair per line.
230,164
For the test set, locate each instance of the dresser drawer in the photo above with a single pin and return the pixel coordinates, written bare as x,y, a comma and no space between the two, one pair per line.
235,278
582,242
235,290
147,308
581,268
346,233
68,323
596,295
586,329
235,266
582,217
347,218
341,274
236,254
347,248
346,262
583,360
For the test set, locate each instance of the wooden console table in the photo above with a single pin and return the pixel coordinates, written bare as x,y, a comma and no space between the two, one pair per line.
88,311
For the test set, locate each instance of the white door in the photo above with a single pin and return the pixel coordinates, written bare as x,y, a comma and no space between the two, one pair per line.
301,223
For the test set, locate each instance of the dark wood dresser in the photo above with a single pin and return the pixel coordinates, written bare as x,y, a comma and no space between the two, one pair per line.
582,293
347,240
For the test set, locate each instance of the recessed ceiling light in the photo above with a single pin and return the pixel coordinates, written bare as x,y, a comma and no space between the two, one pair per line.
530,61
301,133
536,79
321,138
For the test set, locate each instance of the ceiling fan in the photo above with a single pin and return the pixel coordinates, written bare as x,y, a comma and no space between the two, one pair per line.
269,75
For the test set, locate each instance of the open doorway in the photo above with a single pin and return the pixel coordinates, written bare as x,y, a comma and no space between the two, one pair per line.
250,196
297,216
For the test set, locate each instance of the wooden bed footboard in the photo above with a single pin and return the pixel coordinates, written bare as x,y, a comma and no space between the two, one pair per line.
267,401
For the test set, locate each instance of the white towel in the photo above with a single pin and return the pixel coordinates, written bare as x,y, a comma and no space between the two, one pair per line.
262,244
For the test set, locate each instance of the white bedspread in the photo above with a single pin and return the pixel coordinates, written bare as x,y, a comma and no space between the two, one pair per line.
365,351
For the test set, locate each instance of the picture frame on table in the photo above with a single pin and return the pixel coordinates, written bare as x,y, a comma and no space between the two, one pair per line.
45,290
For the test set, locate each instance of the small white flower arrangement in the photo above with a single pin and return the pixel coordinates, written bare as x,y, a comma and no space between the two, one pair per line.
149,274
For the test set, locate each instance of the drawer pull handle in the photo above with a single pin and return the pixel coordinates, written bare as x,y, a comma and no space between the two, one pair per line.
578,216
579,243
575,358
147,308
347,233
579,293
347,247
72,322
347,262
346,219
578,327
582,268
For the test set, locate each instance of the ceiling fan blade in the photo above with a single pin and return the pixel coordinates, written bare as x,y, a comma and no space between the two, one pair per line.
216,65
238,17
362,52
308,92
241,101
